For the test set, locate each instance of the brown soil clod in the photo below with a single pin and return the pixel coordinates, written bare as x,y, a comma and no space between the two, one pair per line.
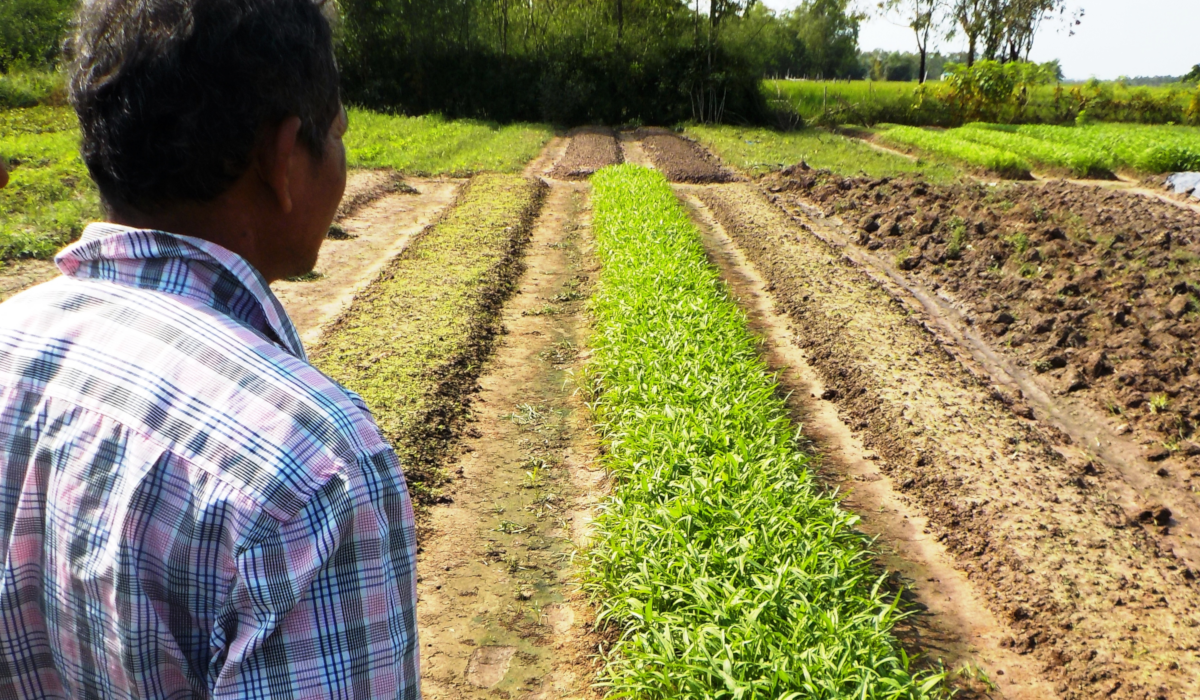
682,160
590,149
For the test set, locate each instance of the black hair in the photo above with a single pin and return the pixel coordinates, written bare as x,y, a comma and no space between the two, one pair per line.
172,95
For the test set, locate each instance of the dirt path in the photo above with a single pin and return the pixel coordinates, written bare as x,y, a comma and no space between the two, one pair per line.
499,614
1036,530
377,232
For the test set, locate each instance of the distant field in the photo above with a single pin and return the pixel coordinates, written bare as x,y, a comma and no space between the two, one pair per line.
432,145
51,198
759,151
913,105
1089,151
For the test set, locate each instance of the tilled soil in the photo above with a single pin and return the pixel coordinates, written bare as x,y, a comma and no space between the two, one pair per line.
590,149
499,614
366,186
680,159
1095,598
1095,290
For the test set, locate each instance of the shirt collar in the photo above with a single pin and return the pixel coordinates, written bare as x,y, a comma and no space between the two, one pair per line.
184,266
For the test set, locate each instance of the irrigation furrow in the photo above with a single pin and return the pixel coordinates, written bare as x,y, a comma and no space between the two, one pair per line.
499,615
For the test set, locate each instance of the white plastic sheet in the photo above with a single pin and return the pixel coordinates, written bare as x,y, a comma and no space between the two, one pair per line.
1185,183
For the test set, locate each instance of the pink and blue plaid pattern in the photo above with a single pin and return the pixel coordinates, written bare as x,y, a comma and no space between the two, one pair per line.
188,509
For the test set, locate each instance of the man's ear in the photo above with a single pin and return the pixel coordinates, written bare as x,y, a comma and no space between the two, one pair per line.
275,160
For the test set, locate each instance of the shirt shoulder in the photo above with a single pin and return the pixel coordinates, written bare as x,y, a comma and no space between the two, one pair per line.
218,393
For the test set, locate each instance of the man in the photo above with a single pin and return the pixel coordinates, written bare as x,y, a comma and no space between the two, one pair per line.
3,175
187,508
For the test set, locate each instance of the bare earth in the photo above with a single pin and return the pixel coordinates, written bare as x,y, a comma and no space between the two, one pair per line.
591,149
680,159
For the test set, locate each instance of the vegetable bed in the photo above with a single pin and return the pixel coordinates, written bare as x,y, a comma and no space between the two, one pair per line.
413,342
729,570
946,145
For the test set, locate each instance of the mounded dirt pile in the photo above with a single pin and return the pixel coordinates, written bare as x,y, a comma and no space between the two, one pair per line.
682,160
1097,290
591,149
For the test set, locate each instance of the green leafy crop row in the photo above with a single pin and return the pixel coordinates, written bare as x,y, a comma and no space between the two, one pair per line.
432,145
412,343
1079,159
946,145
1150,149
760,151
729,570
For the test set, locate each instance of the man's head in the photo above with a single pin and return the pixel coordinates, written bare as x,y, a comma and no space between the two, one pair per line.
191,107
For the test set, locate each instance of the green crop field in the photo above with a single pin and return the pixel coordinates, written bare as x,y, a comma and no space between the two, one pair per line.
915,105
51,198
730,572
1077,159
758,151
435,146
942,144
1136,147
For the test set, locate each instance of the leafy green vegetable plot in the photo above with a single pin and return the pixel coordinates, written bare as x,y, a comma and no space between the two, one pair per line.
432,145
412,343
946,145
1080,160
50,196
1143,148
728,568
760,151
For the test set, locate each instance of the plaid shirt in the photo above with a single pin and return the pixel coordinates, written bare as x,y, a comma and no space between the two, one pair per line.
188,509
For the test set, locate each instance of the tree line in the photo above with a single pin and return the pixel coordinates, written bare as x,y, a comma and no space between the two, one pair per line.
995,30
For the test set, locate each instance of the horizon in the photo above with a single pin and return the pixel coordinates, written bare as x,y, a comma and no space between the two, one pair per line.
1141,30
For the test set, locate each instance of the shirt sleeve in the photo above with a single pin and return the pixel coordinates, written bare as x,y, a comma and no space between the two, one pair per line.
324,606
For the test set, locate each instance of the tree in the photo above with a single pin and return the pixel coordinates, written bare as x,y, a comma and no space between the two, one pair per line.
829,31
31,32
1194,75
924,18
972,18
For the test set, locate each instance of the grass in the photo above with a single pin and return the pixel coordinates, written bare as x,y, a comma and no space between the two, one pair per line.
30,88
729,570
1078,159
760,151
945,145
432,145
412,344
50,197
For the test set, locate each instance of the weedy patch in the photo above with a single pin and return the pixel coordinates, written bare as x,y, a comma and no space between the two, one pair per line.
50,196
760,151
412,344
729,570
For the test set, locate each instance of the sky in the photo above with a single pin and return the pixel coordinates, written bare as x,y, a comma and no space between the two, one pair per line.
1117,37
